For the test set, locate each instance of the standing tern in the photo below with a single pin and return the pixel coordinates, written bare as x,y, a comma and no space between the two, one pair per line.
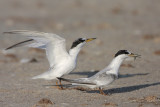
105,76
61,62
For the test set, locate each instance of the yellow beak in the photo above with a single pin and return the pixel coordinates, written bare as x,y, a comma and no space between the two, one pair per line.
134,55
89,39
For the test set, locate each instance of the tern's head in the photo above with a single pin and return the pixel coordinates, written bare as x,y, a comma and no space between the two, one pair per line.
126,54
80,42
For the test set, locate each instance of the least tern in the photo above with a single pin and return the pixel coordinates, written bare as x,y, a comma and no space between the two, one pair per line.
106,76
61,62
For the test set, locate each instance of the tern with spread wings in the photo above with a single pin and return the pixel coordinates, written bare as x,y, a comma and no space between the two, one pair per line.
61,62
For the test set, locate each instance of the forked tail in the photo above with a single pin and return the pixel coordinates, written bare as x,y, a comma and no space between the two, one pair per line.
79,81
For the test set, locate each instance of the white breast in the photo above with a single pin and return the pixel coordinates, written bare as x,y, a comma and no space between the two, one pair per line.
63,67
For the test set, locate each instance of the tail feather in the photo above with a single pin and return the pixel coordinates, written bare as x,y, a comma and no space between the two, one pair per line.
43,76
38,77
78,81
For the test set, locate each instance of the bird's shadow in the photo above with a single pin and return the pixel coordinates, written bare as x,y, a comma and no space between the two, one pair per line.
110,91
113,90
131,75
89,74
125,89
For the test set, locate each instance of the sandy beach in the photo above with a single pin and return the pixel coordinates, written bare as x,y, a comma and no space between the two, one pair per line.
133,25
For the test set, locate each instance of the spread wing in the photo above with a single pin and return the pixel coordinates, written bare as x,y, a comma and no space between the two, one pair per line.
53,44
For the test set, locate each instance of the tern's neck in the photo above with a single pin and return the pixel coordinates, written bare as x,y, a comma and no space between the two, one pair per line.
74,52
115,64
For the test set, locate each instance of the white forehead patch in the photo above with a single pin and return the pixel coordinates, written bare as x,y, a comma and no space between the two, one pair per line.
128,52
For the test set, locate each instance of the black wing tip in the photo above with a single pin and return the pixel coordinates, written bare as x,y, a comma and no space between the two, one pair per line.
12,32
7,48
16,45
8,32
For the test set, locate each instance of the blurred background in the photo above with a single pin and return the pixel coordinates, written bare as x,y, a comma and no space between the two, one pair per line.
117,24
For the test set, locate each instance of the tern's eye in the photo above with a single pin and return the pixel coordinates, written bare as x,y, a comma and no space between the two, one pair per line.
126,52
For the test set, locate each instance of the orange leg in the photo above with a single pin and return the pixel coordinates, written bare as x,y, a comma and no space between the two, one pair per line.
57,85
61,85
101,91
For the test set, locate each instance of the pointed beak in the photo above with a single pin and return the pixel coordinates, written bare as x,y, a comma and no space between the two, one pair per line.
89,39
134,55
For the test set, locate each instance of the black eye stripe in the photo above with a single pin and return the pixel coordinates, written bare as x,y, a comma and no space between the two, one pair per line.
120,52
76,42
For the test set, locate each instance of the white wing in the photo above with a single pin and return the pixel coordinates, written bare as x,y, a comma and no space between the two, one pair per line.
53,44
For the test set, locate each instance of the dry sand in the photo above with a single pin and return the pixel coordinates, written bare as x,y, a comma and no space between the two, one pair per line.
118,24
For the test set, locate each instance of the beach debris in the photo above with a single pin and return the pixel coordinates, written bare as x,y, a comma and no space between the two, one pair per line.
147,99
148,37
44,102
154,37
84,104
116,10
157,52
110,104
150,98
127,65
